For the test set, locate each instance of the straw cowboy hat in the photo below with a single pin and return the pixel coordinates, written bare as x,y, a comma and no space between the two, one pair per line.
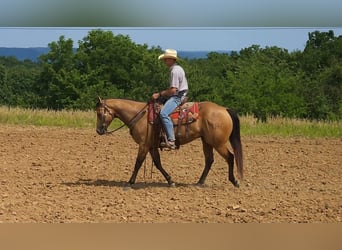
169,53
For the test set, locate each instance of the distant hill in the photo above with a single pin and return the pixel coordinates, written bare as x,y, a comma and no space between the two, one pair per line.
198,54
33,53
24,53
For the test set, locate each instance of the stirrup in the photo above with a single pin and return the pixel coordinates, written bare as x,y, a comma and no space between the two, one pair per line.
168,145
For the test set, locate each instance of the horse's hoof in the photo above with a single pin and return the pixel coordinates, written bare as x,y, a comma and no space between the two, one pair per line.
201,185
236,184
172,185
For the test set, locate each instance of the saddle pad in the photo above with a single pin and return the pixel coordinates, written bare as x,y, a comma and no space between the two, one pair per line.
188,112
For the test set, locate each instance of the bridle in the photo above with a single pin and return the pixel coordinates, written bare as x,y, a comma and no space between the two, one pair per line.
106,109
130,124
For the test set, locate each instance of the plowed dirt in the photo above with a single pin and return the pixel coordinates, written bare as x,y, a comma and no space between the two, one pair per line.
58,175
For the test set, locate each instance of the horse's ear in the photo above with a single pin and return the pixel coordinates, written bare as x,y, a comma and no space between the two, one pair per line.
99,99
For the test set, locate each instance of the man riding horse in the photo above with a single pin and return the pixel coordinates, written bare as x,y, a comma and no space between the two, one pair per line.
178,88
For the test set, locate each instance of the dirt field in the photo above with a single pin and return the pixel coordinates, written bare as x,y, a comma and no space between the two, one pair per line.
74,175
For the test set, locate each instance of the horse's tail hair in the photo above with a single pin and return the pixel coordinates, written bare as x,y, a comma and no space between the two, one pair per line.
235,140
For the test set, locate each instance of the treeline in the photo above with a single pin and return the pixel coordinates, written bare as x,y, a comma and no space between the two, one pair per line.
262,81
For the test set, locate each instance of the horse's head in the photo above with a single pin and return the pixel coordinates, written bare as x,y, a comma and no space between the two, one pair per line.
104,116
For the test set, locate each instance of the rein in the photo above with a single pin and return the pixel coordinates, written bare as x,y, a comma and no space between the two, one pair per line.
131,122
110,132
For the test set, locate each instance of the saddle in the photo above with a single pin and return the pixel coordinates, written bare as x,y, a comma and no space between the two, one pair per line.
185,113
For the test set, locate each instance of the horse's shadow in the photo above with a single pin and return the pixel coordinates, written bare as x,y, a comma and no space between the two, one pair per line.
122,184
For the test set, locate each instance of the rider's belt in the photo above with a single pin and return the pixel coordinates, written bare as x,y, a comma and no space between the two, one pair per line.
182,93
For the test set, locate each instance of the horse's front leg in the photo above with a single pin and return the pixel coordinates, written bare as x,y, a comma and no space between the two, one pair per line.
142,152
156,160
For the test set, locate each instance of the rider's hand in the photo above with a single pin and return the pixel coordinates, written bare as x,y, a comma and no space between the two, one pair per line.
155,96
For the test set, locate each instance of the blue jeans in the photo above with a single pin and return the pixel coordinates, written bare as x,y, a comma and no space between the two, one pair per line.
170,105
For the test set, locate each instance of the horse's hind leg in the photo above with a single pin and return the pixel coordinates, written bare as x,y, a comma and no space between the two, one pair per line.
156,160
231,176
209,159
229,157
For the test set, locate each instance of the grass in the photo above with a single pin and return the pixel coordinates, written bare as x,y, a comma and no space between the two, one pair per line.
39,117
286,127
87,119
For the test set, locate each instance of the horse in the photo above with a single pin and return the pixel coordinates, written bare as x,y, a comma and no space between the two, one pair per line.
216,126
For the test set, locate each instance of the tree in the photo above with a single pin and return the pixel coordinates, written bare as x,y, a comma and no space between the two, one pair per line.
17,81
124,68
59,81
321,61
3,85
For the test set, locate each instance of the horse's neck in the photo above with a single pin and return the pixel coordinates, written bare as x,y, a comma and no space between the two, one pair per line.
125,110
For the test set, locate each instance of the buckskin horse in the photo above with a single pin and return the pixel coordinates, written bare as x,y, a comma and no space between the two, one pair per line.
215,125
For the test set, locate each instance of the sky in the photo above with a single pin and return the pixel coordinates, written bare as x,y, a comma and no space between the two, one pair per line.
183,25
180,38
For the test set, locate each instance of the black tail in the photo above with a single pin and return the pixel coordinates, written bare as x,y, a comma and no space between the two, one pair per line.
235,140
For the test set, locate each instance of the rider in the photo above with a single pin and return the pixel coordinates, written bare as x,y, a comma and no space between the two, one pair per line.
178,88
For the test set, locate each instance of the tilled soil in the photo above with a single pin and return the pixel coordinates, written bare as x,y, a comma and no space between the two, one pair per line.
58,175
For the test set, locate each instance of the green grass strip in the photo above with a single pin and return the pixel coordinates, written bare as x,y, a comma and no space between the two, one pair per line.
286,127
249,126
64,118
